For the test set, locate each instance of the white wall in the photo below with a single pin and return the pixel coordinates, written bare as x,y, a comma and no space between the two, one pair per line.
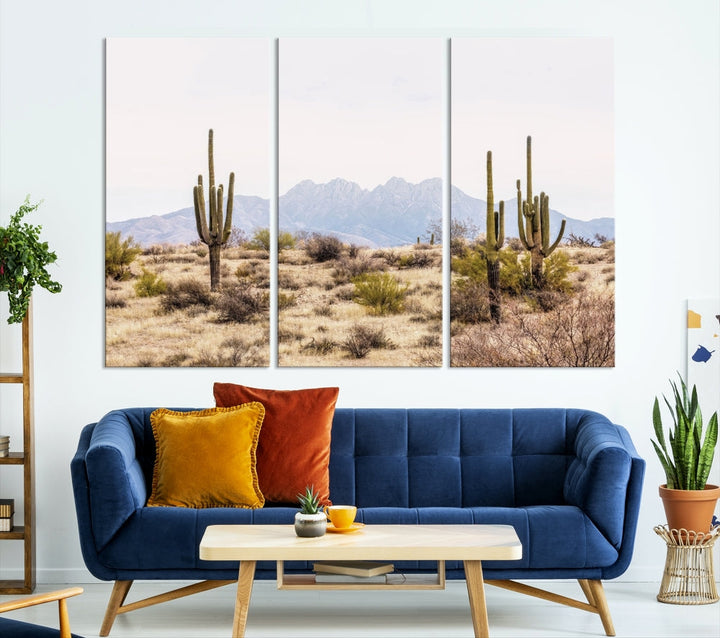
667,211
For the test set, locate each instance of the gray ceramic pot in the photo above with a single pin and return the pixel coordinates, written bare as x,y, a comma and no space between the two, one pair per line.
310,525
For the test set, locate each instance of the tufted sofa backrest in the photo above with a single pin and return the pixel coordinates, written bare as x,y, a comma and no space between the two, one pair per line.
452,457
394,457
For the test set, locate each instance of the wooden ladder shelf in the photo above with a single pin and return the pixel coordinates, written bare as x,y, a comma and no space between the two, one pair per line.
26,459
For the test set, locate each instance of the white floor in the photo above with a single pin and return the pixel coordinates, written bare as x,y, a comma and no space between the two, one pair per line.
415,614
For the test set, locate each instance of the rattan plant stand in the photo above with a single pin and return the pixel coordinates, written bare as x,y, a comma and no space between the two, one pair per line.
688,578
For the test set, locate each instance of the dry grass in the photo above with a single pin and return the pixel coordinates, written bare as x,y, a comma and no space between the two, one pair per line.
140,332
324,325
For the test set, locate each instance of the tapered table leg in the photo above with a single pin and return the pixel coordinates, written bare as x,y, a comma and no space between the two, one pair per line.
476,594
242,601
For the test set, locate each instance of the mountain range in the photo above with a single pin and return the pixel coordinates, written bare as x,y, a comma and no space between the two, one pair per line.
391,214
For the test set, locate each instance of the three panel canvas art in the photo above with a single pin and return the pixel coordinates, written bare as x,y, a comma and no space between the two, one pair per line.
370,201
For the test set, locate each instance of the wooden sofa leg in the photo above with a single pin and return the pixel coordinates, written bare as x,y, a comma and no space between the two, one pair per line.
117,598
587,591
597,592
593,590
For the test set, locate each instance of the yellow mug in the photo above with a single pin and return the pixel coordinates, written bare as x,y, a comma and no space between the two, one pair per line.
341,516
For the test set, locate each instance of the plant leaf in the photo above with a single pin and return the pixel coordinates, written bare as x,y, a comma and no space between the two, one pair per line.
707,451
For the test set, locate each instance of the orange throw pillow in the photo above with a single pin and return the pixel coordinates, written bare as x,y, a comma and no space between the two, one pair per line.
294,447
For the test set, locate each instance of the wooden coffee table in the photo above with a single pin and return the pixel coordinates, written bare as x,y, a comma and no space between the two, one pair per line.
468,543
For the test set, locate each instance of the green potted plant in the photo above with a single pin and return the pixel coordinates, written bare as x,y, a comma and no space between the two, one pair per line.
23,258
311,520
688,499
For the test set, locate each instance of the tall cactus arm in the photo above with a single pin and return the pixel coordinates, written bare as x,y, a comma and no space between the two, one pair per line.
211,159
500,223
528,165
495,222
525,237
199,201
217,219
545,226
228,216
490,205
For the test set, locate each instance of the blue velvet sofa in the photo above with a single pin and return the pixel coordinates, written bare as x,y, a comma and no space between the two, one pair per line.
568,480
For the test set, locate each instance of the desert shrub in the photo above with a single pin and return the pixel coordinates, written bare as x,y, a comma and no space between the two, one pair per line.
345,292
288,281
578,241
174,360
322,248
515,243
429,341
150,284
347,268
389,256
419,258
238,237
381,293
241,304
286,300
286,240
556,269
578,333
514,271
544,300
260,240
114,300
233,352
119,254
321,346
362,339
187,258
186,293
469,301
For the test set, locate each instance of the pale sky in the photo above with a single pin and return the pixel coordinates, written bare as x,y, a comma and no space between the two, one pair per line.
559,91
163,94
362,109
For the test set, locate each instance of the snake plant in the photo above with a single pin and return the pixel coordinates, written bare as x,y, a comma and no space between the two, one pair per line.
688,458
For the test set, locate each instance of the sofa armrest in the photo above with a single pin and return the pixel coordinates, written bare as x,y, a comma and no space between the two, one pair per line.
115,478
598,477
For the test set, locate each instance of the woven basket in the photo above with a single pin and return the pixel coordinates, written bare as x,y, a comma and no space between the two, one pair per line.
688,578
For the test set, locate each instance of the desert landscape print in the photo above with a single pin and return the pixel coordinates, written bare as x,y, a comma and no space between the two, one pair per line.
362,227
533,267
360,155
187,214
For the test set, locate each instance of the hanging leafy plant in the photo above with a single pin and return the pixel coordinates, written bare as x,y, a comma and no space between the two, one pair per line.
23,258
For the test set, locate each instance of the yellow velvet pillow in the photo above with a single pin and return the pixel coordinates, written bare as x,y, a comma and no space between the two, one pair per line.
207,458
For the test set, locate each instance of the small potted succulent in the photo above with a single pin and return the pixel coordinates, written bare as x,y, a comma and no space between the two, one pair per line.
311,520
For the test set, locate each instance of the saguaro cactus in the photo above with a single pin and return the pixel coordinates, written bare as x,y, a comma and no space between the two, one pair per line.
214,232
494,240
535,228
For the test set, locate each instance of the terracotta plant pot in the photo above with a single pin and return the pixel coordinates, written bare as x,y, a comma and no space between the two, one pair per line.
690,509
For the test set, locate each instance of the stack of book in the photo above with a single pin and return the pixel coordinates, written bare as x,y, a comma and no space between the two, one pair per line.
356,571
7,509
4,445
